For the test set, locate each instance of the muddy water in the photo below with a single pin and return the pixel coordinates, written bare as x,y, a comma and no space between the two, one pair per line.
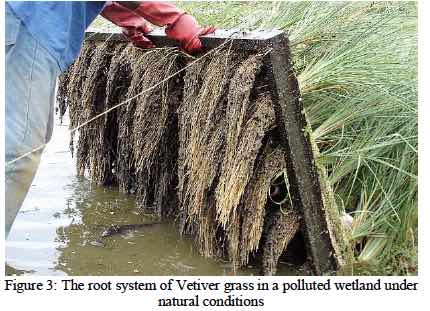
58,229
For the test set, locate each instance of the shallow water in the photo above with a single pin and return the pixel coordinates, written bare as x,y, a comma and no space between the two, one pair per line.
58,229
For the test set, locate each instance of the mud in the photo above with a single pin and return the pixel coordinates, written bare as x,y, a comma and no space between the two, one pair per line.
122,229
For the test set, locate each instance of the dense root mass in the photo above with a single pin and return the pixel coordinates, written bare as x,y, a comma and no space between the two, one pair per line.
281,228
200,147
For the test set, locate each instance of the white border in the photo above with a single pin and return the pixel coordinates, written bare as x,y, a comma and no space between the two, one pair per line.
297,300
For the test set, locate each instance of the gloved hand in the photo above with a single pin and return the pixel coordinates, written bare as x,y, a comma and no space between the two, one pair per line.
133,26
180,26
186,30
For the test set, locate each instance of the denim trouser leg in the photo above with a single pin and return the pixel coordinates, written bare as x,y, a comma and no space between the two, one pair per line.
31,75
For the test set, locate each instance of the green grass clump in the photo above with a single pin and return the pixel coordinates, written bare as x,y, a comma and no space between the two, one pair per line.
357,68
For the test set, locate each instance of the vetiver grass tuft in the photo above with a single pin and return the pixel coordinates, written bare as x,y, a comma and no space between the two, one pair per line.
357,69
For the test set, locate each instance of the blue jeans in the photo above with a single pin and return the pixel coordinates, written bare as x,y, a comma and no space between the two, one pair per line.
31,74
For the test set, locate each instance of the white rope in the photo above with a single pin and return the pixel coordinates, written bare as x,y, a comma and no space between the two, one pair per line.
129,99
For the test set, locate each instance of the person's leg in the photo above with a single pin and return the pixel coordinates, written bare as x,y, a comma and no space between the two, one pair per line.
31,74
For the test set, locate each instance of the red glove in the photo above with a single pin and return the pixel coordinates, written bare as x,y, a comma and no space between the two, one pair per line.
133,25
187,32
180,26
